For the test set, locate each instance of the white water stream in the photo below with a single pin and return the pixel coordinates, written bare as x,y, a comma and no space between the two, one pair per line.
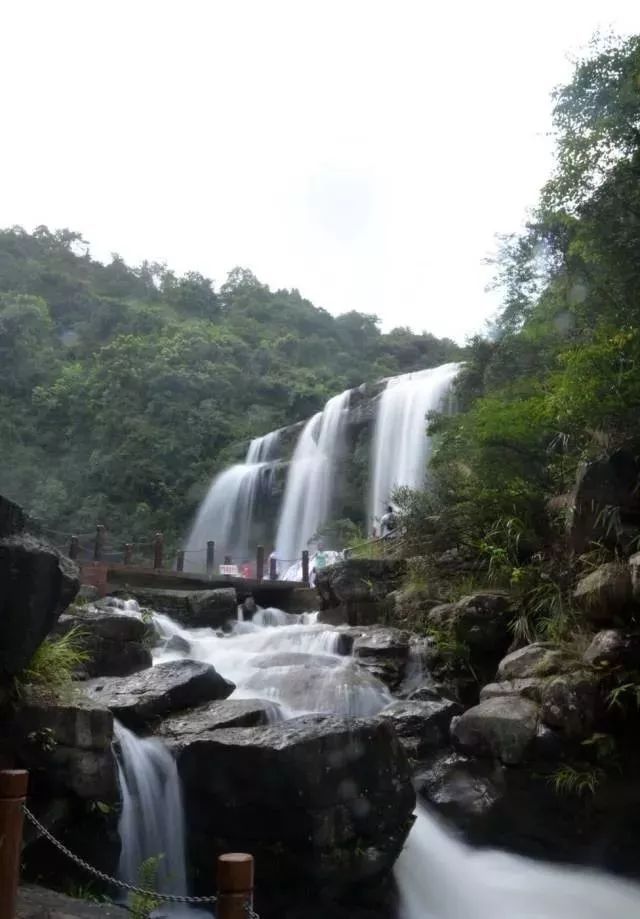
400,445
311,479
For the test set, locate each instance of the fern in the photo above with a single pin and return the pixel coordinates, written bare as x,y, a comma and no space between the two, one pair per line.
569,781
142,905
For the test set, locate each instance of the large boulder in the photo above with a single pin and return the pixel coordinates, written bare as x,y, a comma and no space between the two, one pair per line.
611,482
322,802
634,571
114,643
503,728
573,703
192,608
145,697
612,648
479,621
12,518
384,652
537,660
606,594
422,726
68,745
361,588
179,730
36,585
462,789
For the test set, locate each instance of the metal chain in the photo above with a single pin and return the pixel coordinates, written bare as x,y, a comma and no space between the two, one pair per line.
172,898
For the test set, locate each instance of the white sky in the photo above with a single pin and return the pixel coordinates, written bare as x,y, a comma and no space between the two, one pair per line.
364,152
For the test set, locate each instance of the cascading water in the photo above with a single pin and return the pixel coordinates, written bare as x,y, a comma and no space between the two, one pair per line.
310,480
227,514
400,444
440,878
152,819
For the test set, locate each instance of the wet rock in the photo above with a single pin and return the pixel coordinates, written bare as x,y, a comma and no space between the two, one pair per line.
360,587
178,644
503,727
180,730
422,726
428,692
145,697
462,789
335,615
249,607
69,744
114,642
606,593
572,703
634,571
41,903
613,648
384,652
412,606
331,810
480,621
528,687
192,608
12,518
36,586
536,660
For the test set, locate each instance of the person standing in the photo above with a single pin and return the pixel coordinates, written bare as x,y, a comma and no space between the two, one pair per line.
389,522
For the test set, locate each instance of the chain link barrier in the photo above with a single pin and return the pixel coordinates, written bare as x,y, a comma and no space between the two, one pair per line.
132,888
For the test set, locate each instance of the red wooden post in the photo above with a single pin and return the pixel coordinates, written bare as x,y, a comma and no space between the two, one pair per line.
13,791
260,563
180,560
158,550
211,550
305,567
273,568
73,547
235,885
128,553
98,546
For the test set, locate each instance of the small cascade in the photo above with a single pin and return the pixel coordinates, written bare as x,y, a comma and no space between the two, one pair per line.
440,878
310,480
152,820
228,513
400,444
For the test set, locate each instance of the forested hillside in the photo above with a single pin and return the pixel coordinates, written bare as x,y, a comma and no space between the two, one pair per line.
123,389
558,382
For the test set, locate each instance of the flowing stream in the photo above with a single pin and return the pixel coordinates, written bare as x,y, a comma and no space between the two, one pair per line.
152,818
400,445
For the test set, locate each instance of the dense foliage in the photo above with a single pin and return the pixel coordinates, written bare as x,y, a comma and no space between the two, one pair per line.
123,389
558,380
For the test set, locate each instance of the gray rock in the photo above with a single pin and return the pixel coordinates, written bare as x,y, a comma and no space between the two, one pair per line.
606,593
36,586
503,727
384,652
480,621
528,687
537,660
359,589
572,703
40,903
113,641
12,518
422,726
634,571
181,729
462,789
178,644
332,807
144,697
613,648
193,608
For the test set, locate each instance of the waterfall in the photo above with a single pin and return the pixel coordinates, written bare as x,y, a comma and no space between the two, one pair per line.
152,819
400,444
441,878
310,481
228,513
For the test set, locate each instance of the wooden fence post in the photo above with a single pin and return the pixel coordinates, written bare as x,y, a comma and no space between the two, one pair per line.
260,563
180,560
211,550
98,546
158,550
273,568
128,553
305,567
73,547
13,791
235,885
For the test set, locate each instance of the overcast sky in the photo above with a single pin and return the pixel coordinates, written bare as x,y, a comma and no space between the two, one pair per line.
364,152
